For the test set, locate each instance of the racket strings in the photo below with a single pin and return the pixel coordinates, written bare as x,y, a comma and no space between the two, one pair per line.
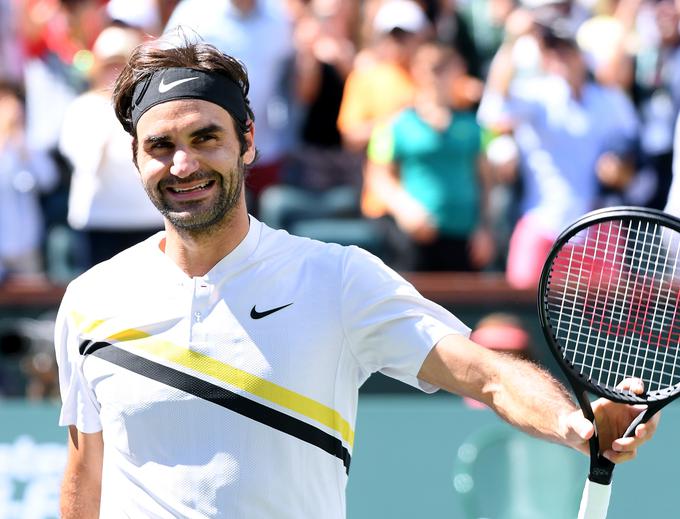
614,303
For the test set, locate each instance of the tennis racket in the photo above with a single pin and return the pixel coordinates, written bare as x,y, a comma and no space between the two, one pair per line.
609,305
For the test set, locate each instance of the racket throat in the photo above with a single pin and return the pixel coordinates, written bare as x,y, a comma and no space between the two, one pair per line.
601,469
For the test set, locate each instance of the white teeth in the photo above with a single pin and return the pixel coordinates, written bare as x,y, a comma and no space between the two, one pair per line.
186,190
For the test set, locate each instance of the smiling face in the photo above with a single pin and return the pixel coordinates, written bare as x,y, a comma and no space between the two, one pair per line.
191,165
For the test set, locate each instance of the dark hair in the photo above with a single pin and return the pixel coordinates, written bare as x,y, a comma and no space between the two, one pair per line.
149,57
13,88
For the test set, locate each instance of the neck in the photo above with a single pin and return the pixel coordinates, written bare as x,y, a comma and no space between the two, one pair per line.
197,253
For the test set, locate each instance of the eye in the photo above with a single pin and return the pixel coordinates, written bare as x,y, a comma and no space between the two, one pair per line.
205,138
160,145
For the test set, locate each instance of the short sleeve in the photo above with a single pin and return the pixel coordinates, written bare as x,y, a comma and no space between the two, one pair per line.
390,327
381,145
79,404
353,110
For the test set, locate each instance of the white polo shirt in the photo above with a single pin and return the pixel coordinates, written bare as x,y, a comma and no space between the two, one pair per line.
235,394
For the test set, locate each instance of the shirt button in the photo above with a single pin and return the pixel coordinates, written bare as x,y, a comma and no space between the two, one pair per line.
197,317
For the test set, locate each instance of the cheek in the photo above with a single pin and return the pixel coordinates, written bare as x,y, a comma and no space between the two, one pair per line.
151,170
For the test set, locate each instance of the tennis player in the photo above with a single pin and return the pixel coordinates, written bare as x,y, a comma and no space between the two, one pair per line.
213,369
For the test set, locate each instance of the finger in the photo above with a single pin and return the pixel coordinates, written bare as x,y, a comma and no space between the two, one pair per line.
626,444
646,430
619,457
578,427
635,385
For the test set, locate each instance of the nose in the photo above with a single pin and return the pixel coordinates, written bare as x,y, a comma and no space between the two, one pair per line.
183,164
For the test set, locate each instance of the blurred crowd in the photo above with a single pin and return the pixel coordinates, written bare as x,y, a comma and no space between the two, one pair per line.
441,135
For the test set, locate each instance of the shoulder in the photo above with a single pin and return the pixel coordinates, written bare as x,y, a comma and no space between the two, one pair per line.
116,275
278,247
286,247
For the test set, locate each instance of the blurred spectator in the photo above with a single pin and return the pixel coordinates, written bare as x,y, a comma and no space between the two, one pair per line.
657,91
107,202
453,28
380,84
424,166
673,201
57,37
24,174
572,134
608,41
322,179
258,33
11,54
485,20
144,15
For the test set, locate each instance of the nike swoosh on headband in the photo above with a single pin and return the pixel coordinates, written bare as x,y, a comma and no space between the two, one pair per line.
163,88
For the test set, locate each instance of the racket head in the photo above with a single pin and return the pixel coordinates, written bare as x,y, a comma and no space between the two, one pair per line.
609,306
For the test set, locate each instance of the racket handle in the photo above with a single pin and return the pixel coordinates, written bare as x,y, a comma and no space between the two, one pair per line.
595,501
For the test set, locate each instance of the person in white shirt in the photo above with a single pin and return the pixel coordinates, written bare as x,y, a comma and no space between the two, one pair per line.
107,205
213,369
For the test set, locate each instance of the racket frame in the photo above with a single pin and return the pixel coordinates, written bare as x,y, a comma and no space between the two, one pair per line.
601,469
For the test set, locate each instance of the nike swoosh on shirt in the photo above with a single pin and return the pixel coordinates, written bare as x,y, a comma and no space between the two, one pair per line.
163,87
259,315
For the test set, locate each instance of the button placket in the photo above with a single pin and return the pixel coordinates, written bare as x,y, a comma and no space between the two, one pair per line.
200,307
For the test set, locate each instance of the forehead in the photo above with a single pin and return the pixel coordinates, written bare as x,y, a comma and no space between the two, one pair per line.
183,115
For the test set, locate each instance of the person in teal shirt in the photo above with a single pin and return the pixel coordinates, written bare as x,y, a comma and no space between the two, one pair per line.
425,166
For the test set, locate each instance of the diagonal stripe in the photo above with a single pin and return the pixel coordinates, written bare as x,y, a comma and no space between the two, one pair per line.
80,322
238,378
227,399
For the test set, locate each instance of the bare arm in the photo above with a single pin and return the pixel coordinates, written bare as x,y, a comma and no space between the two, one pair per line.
519,23
408,212
81,487
529,398
520,392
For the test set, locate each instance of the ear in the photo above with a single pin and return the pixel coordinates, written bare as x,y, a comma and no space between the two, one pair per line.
250,153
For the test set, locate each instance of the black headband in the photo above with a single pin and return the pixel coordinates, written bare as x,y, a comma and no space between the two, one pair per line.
185,83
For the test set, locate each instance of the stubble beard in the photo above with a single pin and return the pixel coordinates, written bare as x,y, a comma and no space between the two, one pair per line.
208,221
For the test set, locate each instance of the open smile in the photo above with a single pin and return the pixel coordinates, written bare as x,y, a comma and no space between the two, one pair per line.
186,192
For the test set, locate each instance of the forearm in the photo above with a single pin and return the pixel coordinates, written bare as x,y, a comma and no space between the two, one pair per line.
502,70
80,495
528,397
383,181
520,392
81,486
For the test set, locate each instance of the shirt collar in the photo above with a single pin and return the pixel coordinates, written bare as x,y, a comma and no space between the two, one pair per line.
229,263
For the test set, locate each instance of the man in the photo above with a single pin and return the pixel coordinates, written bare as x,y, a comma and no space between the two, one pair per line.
213,370
574,136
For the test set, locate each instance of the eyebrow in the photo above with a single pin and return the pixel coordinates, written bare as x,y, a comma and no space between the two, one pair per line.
206,130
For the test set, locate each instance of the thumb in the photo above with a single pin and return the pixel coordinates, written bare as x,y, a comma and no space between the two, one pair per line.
579,428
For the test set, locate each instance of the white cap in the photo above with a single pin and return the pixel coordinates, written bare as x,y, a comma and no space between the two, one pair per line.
116,42
406,15
142,14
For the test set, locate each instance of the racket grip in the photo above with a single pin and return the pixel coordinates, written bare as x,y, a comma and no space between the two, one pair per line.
595,501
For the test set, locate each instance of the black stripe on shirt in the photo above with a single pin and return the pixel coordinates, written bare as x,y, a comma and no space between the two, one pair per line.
220,396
